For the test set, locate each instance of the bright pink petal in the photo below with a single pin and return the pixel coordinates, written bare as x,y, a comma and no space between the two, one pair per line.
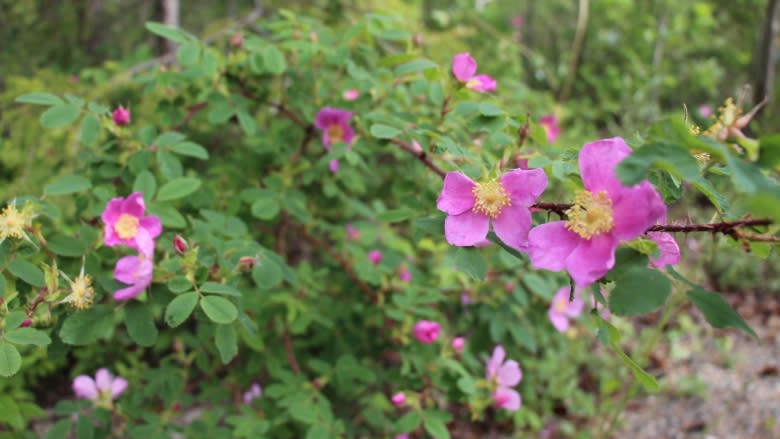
126,269
507,399
558,320
482,84
118,387
495,361
349,133
130,292
668,249
635,210
592,259
597,165
110,238
509,374
152,225
103,379
113,209
466,229
550,244
524,185
574,307
84,387
143,242
550,125
456,195
134,205
512,226
463,67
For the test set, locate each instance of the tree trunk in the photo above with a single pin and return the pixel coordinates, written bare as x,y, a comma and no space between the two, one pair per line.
766,58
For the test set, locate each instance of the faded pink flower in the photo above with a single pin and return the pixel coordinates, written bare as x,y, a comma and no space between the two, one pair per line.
504,375
375,256
471,207
351,94
333,165
135,271
550,125
353,234
103,389
335,127
604,214
121,116
457,344
404,274
398,399
705,111
255,391
126,224
669,251
464,68
426,331
465,299
561,309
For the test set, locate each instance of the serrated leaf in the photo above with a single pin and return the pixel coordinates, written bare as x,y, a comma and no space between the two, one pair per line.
273,60
168,32
381,131
265,208
60,115
395,215
27,272
218,309
178,188
190,149
28,336
180,308
267,274
10,413
88,326
215,288
66,246
639,290
146,184
188,53
169,216
471,262
39,98
226,341
60,430
408,422
717,312
90,130
67,184
10,360
415,66
247,123
139,322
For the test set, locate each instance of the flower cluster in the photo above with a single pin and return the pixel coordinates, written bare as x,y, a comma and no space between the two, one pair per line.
126,223
503,376
464,68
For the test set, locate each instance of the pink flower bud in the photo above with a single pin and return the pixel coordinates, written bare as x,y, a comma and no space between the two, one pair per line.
375,256
121,116
26,323
351,95
398,399
458,343
426,331
180,245
246,263
404,274
353,234
237,40
416,148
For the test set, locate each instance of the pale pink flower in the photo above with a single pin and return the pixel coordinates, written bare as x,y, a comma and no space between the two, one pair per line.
426,331
353,234
471,207
465,299
504,375
464,68
135,271
104,388
127,224
351,94
333,165
255,391
457,344
404,274
121,116
669,251
604,214
375,256
551,128
398,399
705,111
335,127
561,309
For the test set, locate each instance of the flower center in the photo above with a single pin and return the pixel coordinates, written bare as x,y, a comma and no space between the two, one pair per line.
560,305
11,223
127,226
474,82
335,133
490,198
591,214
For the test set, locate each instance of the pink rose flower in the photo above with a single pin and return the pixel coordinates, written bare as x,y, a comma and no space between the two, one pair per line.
426,331
550,125
121,116
375,256
471,207
135,271
504,375
705,111
465,299
561,309
398,399
104,388
604,214
351,94
669,251
255,391
404,274
353,234
126,224
464,68
457,344
335,127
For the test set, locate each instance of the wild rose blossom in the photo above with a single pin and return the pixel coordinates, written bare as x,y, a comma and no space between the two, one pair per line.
669,251
426,331
551,128
351,94
121,116
126,224
102,390
375,256
705,111
471,207
504,375
135,271
404,274
457,344
398,399
335,127
604,214
561,309
255,391
464,68
353,234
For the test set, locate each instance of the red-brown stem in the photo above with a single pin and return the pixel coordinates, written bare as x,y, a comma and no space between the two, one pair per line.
192,110
422,156
37,301
288,347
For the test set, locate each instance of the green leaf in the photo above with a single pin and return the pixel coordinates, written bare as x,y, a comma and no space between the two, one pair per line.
85,429
645,379
60,430
435,422
180,309
90,130
769,150
146,184
178,188
190,149
639,290
188,53
67,184
168,139
247,122
215,288
226,341
169,216
395,215
26,336
39,98
490,110
265,208
471,262
66,246
415,66
60,115
10,413
88,326
219,309
27,272
169,164
381,131
139,322
408,422
273,60
14,319
676,160
267,274
717,312
168,32
10,360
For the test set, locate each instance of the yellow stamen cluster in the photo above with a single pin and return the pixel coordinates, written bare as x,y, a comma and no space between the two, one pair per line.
335,133
126,226
591,214
81,292
560,305
12,223
490,198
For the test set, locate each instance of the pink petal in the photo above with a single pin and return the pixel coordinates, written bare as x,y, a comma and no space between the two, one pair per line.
509,374
635,210
512,226
524,185
130,292
143,242
118,387
456,195
550,244
333,165
463,67
134,205
559,321
110,238
84,387
126,269
592,259
574,308
668,249
494,363
597,165
113,209
466,229
482,84
507,399
152,225
349,133
103,379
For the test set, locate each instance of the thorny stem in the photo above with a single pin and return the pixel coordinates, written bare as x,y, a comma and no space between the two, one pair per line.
288,347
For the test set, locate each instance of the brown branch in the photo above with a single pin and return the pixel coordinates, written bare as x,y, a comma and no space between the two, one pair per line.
559,208
40,298
422,156
726,227
288,347
192,110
